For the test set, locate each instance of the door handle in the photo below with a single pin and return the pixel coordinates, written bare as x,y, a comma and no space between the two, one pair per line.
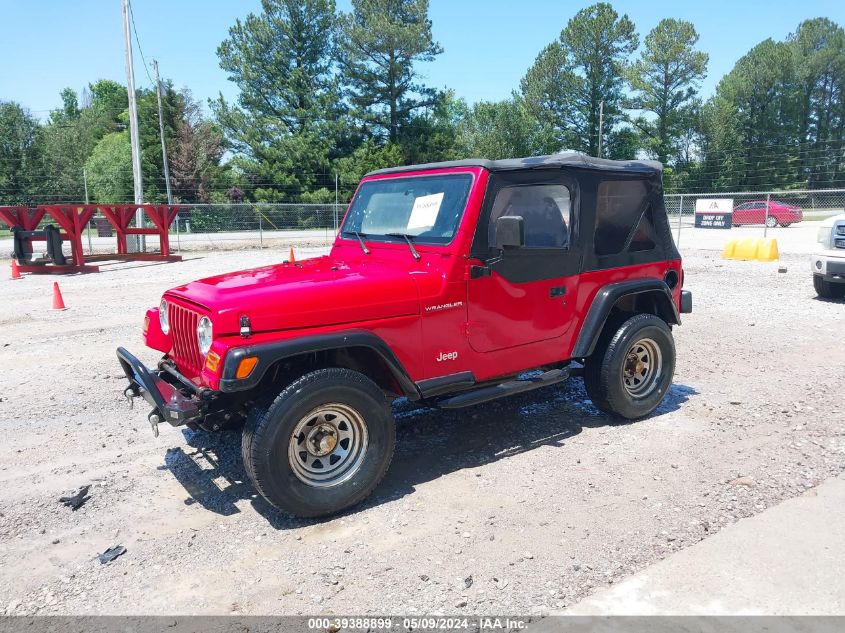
557,291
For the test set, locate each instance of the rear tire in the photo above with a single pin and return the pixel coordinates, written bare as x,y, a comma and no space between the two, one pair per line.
632,367
826,289
323,444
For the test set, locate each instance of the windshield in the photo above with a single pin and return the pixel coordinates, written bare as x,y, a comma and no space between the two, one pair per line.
427,209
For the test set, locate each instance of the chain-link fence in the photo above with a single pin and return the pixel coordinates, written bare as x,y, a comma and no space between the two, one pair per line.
226,225
791,216
218,226
783,214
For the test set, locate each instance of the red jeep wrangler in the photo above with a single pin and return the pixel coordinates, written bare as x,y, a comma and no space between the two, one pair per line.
450,284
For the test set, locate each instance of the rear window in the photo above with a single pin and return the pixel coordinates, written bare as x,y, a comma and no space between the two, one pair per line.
619,208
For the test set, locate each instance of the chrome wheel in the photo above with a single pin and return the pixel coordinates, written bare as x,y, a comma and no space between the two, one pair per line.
328,445
642,367
771,221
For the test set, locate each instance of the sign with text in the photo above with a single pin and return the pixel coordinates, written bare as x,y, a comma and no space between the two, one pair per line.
714,213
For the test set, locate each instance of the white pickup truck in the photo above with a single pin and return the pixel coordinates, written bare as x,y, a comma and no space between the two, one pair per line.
828,261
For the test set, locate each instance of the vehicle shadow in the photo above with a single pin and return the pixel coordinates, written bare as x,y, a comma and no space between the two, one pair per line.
429,444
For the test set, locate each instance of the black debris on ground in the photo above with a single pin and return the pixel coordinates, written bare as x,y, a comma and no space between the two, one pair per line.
111,553
76,501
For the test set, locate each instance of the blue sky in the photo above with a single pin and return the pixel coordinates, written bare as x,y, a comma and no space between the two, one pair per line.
50,44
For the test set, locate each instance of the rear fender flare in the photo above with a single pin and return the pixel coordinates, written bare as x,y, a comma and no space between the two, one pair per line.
609,296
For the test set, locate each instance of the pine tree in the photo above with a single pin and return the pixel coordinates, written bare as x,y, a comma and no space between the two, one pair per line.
382,41
665,80
285,123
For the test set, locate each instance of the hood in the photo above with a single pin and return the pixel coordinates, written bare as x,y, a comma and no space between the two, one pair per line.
314,292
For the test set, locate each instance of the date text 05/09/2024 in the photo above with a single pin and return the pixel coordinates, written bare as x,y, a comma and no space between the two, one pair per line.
332,625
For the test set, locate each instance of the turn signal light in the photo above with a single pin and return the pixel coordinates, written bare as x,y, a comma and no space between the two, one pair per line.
246,366
212,361
146,324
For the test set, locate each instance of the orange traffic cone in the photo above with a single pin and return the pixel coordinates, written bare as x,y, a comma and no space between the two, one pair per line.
16,273
292,259
58,302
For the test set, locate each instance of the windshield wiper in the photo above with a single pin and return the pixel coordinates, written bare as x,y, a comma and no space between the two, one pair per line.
407,238
360,241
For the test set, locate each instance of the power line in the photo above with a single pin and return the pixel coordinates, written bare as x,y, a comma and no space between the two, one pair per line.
138,42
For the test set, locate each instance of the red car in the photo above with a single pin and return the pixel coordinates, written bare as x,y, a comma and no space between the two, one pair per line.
754,212
449,284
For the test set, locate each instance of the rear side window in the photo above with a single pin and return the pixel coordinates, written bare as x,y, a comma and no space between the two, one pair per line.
619,209
545,209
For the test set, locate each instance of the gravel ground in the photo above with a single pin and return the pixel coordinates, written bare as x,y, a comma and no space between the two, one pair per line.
522,506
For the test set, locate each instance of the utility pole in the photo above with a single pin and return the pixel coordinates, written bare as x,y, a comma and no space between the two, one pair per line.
601,123
133,126
161,133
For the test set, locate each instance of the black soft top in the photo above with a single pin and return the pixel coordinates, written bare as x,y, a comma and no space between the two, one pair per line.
567,159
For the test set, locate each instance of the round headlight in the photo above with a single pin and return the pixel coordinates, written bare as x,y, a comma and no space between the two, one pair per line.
162,317
204,335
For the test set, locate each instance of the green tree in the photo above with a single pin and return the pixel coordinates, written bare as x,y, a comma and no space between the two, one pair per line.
72,132
195,155
430,136
573,76
149,136
749,125
546,92
109,99
20,154
110,169
382,41
368,156
665,80
818,48
69,138
502,129
286,122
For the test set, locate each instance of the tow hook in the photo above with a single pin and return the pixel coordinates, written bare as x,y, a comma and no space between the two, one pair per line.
154,419
130,393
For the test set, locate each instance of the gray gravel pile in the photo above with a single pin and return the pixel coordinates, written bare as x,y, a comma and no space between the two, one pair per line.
520,506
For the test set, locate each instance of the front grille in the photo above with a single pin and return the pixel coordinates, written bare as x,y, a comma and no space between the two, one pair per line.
183,332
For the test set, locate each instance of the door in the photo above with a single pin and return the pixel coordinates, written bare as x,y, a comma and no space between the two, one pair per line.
525,295
750,213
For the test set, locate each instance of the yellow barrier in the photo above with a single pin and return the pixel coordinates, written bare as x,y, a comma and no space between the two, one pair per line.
748,249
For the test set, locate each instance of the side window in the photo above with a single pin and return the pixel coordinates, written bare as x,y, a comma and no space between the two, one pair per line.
643,237
619,204
545,209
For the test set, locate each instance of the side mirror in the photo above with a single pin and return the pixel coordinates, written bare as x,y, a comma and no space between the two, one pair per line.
510,232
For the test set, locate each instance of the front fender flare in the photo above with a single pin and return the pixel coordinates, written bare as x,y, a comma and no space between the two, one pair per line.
270,353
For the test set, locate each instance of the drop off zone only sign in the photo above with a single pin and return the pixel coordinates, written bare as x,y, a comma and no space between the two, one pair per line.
714,213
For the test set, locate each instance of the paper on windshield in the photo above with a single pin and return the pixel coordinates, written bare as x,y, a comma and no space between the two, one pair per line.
425,211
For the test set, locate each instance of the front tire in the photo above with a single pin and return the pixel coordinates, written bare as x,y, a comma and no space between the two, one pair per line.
632,367
826,289
323,445
771,221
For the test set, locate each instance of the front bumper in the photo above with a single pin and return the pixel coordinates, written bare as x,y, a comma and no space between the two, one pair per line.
831,267
169,402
